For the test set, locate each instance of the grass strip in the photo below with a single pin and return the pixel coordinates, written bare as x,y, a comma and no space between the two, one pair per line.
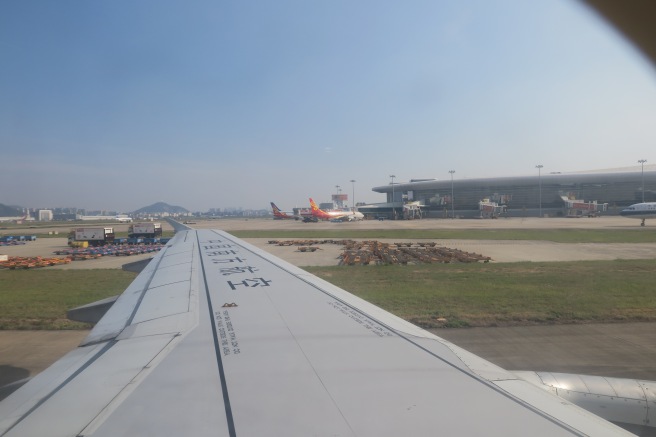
638,235
39,299
505,294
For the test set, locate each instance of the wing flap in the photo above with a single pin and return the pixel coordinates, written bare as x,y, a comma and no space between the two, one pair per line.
67,405
38,388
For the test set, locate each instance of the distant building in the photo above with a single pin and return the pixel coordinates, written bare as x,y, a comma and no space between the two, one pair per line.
120,217
45,215
521,195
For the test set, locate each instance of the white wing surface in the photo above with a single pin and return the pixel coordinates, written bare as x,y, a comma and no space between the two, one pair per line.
218,338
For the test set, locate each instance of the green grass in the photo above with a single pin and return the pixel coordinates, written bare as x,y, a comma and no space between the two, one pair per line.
39,299
506,293
638,235
61,234
7,227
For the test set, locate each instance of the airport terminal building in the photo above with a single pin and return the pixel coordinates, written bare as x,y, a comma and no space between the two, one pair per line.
554,195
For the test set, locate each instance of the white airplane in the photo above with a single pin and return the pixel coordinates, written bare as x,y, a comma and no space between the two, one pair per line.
642,211
218,337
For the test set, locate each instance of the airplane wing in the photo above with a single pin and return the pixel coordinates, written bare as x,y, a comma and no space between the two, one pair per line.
217,337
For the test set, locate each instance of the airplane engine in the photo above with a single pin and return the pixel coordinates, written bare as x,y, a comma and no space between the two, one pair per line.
628,403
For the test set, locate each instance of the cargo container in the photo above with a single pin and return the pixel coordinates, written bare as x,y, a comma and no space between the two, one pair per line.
150,230
97,236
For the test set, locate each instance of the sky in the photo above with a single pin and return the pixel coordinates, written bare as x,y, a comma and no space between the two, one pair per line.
116,105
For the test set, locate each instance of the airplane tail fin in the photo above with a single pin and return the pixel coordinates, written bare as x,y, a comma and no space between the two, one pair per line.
277,213
313,205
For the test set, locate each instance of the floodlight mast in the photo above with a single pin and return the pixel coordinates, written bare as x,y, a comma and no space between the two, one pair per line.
642,171
539,167
453,214
393,209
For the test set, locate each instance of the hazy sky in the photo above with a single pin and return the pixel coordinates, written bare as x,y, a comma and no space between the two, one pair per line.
119,104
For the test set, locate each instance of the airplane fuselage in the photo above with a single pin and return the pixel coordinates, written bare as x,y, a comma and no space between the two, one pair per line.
643,211
278,214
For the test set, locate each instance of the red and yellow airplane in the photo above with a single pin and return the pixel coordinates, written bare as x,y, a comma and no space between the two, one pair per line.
278,214
334,215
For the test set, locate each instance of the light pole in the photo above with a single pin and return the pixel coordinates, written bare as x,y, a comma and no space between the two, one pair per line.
642,171
453,214
353,198
393,210
539,167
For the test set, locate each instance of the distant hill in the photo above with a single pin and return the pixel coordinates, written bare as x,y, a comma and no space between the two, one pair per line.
10,211
160,207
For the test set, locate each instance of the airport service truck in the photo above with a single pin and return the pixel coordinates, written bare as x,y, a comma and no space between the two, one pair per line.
95,236
146,230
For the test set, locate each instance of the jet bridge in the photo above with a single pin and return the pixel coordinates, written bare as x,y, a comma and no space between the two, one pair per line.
581,208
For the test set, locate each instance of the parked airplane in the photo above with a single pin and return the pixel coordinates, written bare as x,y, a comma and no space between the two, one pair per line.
15,219
218,337
642,211
334,215
278,214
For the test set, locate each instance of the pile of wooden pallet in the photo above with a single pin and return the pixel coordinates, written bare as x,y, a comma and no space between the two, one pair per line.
367,252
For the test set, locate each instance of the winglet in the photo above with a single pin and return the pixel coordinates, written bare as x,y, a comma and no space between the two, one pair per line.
177,226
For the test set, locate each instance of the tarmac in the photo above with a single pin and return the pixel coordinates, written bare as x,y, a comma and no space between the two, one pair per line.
621,350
